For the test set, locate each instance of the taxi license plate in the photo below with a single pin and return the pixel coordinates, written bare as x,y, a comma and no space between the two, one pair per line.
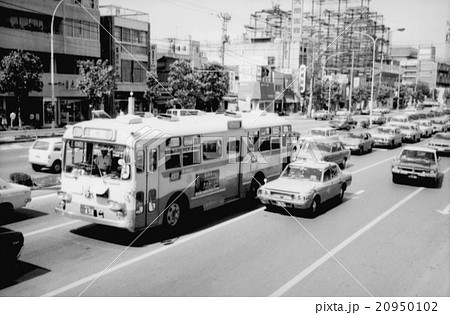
412,176
88,210
281,204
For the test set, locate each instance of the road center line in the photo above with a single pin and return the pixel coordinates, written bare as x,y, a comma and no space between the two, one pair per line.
372,165
286,287
43,197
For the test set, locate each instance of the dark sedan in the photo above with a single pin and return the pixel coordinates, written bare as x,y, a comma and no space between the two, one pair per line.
11,245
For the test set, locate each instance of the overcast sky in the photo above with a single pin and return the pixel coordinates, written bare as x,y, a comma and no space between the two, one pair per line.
424,20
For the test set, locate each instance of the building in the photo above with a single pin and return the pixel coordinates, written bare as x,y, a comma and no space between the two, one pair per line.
25,25
130,52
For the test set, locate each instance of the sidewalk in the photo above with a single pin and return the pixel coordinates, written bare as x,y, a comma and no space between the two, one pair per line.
29,134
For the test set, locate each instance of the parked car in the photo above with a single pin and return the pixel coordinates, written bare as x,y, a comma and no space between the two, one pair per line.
323,149
389,136
410,131
306,185
342,122
416,163
11,246
323,115
13,196
398,119
358,142
378,118
46,153
441,143
425,127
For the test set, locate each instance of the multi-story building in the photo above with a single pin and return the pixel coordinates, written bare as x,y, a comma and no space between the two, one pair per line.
25,25
125,42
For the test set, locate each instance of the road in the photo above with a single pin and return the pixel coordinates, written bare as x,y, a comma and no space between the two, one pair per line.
383,240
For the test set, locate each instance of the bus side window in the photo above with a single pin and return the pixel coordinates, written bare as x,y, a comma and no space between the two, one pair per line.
153,161
233,150
140,161
212,149
173,160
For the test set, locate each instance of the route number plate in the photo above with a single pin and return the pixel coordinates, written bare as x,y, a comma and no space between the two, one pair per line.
88,210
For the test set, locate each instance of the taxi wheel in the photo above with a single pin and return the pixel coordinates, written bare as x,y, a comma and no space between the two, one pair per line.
344,164
341,193
315,205
361,151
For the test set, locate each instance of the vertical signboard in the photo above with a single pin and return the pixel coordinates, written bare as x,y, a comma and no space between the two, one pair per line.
297,20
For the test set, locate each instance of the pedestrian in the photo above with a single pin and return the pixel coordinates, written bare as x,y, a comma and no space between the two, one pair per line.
4,121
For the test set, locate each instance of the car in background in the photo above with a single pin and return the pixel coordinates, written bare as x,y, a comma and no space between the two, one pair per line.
327,132
305,185
441,143
342,122
323,115
46,153
426,128
439,124
358,142
378,118
410,131
398,119
100,114
384,110
11,246
323,149
13,196
389,136
416,163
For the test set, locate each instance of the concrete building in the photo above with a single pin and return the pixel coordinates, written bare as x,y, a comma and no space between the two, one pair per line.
25,25
130,52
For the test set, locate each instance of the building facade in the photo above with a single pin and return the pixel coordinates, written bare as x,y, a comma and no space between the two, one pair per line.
130,52
25,25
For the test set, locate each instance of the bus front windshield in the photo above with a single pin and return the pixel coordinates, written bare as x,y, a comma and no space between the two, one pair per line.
96,159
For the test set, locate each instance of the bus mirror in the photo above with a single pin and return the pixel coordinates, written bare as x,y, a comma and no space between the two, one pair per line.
125,174
121,162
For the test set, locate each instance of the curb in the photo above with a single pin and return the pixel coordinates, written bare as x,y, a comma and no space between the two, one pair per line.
46,181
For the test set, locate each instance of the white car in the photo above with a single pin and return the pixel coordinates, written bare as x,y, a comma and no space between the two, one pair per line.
13,196
46,153
426,127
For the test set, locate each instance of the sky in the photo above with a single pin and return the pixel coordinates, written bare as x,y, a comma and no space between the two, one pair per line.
424,20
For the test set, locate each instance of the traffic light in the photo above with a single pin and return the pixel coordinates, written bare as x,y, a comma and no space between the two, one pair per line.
302,79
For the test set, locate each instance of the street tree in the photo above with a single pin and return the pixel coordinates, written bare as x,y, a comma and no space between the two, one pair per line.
20,74
183,85
97,80
384,93
361,95
214,84
153,88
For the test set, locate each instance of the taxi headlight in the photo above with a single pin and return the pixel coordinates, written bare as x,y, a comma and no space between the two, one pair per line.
263,192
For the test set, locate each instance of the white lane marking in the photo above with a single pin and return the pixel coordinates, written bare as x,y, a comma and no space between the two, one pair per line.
50,228
445,211
147,255
359,192
42,197
294,281
372,165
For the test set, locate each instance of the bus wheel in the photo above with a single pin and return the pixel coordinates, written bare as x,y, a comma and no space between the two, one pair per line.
257,182
173,213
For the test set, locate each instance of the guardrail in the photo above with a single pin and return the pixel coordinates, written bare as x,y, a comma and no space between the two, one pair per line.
29,134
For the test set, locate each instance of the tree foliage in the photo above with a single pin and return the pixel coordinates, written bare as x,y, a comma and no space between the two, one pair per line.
153,88
96,80
20,73
183,85
214,84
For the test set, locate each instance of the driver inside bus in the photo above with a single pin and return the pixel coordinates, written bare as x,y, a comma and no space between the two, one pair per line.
104,161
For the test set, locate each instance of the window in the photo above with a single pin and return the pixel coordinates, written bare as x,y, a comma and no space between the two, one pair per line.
233,150
191,150
275,143
126,35
77,30
136,36
264,144
173,160
57,147
68,27
94,31
118,33
140,161
86,29
212,149
252,143
126,71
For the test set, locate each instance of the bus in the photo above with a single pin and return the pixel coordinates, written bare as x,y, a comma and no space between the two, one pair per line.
162,167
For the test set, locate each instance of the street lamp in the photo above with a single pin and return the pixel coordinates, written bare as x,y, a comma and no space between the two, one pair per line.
374,41
52,69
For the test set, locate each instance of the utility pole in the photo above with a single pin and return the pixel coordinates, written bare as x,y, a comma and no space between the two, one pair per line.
226,17
351,83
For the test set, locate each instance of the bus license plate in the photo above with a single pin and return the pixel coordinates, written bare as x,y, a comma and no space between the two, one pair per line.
281,204
88,210
412,176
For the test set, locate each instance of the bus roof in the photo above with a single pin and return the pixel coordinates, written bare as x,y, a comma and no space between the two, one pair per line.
127,125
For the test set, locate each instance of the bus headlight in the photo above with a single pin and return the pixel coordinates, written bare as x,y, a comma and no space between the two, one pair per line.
64,196
115,205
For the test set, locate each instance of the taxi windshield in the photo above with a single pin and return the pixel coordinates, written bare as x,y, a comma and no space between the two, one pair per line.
302,173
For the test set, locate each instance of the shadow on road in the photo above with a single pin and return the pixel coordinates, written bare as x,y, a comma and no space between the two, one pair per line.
21,272
195,222
18,215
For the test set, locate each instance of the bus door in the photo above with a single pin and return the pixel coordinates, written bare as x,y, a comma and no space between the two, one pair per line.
249,157
233,169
